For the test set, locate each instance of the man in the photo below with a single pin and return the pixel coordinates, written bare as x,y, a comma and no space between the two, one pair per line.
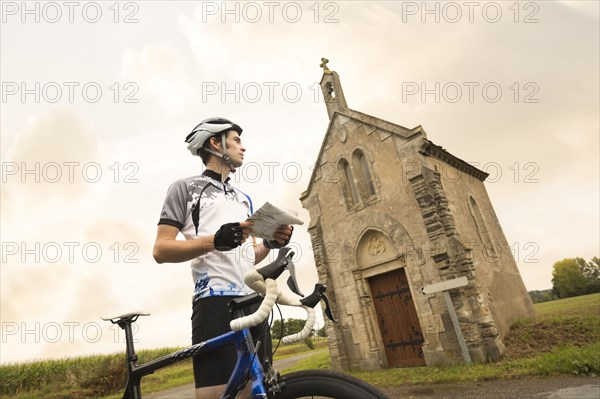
211,215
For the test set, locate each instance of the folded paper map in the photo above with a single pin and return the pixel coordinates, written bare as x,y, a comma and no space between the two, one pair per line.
268,218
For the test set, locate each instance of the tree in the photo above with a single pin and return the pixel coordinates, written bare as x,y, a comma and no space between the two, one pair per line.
591,287
567,278
290,326
276,332
322,332
590,270
541,296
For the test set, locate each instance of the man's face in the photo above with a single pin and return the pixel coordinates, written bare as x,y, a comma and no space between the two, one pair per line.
235,149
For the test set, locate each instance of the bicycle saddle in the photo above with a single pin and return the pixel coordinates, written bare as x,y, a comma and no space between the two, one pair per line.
127,317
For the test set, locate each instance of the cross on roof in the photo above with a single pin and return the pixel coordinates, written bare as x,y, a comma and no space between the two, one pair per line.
323,65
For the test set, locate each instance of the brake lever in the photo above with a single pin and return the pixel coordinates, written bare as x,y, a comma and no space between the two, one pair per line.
317,295
292,282
275,268
328,311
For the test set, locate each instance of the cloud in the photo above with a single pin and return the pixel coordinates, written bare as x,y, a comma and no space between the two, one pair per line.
50,155
32,288
163,74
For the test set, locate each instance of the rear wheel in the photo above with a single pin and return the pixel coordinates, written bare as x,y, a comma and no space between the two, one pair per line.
325,384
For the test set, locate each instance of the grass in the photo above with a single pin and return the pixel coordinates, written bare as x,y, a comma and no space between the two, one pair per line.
80,377
563,339
320,361
285,351
562,360
582,305
101,376
571,321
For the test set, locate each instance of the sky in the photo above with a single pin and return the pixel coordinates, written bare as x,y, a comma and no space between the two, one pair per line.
97,98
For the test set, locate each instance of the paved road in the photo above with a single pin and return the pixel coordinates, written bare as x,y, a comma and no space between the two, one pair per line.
564,387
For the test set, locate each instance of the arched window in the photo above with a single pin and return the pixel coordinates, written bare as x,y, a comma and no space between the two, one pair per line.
482,229
348,185
330,89
365,184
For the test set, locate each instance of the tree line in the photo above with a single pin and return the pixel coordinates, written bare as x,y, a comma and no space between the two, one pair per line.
571,277
290,326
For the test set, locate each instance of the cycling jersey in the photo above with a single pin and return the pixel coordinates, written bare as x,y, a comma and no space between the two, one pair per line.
199,206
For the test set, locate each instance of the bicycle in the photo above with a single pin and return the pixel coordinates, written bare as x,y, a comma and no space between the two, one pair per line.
266,382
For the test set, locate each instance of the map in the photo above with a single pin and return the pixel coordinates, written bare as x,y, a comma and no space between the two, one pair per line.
268,218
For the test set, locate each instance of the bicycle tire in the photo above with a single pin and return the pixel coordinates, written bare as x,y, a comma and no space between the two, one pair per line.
325,384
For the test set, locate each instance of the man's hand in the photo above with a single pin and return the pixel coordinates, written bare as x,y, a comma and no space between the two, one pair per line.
281,237
232,235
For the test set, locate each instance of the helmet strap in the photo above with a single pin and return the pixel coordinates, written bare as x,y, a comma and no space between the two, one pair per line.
224,155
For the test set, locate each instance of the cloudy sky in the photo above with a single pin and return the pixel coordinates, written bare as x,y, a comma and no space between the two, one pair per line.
97,98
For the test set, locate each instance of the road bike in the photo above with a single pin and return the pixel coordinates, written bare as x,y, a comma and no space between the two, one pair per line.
265,381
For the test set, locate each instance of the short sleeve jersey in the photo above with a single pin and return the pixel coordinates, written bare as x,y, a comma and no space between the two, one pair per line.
199,206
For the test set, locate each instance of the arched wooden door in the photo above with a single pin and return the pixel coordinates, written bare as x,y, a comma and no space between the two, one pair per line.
397,318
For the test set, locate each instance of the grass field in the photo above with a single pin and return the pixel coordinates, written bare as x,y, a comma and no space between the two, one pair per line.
563,339
582,305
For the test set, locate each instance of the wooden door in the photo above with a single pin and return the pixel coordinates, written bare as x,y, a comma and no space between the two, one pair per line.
397,318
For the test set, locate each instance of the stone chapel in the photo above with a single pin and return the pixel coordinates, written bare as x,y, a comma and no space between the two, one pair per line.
390,213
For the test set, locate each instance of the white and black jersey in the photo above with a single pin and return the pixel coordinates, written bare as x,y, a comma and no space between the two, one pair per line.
199,206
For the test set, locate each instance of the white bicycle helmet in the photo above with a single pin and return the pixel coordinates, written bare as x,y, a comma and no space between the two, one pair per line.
208,128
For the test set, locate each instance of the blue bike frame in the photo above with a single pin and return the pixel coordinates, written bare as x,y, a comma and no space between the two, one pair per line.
247,363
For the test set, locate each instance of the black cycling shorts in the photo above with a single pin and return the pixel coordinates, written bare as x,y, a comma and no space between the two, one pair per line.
211,317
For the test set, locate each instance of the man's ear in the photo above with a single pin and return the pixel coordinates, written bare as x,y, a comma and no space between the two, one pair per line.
215,143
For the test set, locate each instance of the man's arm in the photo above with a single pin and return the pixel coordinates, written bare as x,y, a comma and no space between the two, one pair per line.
282,236
260,251
168,249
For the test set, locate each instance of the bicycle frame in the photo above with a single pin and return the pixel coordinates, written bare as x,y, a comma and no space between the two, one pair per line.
247,363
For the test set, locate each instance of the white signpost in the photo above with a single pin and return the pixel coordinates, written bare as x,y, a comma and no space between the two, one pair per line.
444,287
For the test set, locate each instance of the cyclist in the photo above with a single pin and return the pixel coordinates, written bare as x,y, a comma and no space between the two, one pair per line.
211,214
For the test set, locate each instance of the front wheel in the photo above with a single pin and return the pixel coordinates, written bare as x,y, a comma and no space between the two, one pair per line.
325,384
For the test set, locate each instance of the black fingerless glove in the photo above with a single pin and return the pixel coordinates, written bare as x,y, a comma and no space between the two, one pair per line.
228,237
274,244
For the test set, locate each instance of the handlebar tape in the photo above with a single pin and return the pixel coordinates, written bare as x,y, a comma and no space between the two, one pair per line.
306,331
254,280
263,311
269,288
